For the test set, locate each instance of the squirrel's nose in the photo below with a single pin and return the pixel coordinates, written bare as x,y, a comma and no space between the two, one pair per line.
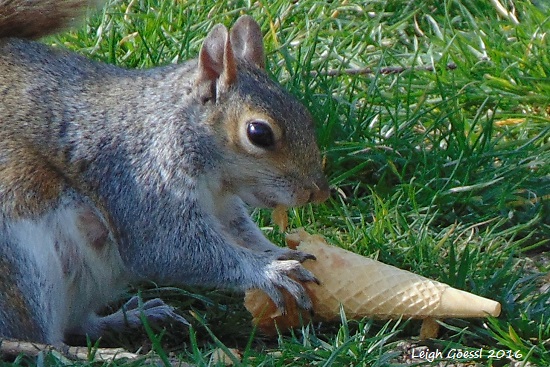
320,190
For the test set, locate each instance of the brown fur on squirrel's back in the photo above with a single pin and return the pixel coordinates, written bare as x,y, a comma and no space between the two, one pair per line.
34,19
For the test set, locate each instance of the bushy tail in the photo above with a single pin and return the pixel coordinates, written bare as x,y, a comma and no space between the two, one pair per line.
37,18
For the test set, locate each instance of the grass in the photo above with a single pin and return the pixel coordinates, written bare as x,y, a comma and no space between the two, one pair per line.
433,118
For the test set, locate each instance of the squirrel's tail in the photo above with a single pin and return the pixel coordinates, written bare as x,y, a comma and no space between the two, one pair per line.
37,18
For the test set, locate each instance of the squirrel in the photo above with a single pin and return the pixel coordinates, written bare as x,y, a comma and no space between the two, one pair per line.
111,176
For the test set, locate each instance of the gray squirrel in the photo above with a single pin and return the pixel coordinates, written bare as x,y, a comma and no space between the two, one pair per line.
111,176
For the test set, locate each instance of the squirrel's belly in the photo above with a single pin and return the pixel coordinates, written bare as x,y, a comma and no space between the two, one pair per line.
73,249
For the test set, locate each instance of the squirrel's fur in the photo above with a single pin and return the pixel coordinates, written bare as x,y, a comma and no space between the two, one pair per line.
110,176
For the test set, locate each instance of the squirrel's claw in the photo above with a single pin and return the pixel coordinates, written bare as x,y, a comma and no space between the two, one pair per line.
287,275
300,256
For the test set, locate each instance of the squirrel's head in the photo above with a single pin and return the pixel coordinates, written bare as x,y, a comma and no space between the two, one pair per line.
268,151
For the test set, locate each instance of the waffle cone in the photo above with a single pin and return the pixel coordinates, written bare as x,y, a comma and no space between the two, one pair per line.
364,288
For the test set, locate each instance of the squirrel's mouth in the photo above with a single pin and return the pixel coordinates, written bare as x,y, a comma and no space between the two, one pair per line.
297,196
261,200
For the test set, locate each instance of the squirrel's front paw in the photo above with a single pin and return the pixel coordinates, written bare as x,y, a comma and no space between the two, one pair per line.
289,254
286,274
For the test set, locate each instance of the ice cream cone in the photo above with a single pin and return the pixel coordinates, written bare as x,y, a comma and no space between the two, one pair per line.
365,288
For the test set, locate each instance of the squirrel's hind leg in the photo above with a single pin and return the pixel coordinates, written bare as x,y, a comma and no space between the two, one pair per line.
130,316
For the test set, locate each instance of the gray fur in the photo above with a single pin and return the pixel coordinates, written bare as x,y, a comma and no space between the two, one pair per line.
157,153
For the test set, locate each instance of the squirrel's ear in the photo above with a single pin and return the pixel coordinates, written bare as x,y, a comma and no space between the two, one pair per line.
217,69
247,40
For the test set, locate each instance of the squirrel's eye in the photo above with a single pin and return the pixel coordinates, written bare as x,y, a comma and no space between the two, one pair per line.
260,134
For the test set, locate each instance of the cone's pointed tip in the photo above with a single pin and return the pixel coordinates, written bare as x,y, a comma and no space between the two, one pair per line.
496,310
457,303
